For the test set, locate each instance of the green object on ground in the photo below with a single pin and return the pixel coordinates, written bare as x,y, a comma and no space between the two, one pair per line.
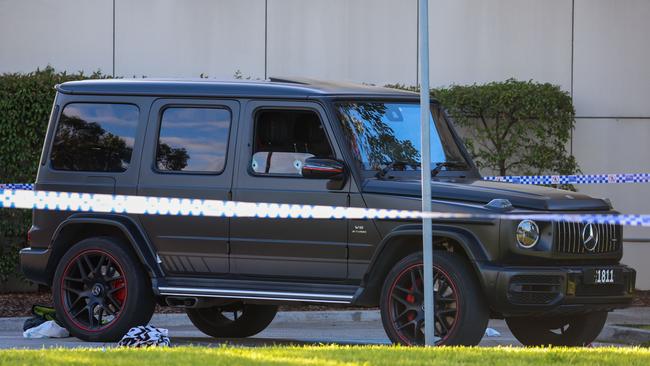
44,311
329,355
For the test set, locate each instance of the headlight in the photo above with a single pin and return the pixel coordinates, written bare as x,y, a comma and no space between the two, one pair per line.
527,234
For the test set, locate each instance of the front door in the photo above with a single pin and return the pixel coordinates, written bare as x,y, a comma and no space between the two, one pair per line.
188,154
275,139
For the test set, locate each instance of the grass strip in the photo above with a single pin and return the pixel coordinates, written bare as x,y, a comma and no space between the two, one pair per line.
329,355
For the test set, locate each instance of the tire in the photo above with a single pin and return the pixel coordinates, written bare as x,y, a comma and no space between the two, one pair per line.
574,330
247,319
461,311
100,290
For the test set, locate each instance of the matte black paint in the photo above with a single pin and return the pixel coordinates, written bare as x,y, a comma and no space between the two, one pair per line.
480,191
284,259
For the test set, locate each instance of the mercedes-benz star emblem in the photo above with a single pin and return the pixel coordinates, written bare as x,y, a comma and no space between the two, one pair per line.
96,290
590,237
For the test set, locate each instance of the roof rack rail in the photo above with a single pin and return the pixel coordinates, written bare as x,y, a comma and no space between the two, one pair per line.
289,80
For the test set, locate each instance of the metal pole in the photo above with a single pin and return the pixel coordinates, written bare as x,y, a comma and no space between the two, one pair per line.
425,113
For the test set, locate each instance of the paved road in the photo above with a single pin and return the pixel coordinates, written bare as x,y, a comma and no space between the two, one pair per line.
351,327
286,329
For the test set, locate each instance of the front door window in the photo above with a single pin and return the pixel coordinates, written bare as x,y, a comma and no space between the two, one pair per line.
284,139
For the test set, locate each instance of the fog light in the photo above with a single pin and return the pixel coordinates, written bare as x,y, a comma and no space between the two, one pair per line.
527,234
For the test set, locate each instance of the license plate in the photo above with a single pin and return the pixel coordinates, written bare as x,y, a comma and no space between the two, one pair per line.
603,276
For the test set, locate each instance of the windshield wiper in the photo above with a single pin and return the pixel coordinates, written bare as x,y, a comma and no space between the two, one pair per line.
447,164
381,174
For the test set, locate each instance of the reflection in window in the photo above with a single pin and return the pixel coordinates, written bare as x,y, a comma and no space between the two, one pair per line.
193,140
284,139
389,133
95,137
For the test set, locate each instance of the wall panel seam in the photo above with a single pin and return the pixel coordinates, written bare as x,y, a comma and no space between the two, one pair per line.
610,117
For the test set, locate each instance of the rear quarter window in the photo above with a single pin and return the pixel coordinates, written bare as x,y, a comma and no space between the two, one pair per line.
95,137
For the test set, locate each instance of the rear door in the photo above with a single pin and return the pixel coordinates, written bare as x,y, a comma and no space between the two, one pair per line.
189,154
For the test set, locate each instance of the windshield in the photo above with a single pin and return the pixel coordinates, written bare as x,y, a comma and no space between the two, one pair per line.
388,134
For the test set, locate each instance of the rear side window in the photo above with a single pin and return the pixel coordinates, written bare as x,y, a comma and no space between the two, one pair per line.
95,137
193,140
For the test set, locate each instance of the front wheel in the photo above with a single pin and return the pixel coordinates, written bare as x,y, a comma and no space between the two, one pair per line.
235,320
573,330
461,314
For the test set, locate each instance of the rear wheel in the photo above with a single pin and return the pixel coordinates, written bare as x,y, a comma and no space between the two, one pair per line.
461,314
100,290
234,320
574,330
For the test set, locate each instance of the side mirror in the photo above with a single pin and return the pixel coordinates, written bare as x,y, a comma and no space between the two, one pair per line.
334,170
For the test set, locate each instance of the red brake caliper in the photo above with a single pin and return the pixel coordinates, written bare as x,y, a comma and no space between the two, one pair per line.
411,299
120,295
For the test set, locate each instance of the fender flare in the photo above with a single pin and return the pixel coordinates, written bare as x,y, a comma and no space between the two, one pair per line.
131,230
378,263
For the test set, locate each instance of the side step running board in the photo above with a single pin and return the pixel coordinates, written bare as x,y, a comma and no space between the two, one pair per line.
255,295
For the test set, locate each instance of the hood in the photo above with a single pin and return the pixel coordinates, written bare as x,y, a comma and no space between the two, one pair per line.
482,192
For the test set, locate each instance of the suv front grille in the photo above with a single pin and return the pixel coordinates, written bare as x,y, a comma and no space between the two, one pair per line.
568,238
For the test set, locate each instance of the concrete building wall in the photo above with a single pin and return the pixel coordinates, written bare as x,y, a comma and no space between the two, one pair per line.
611,92
612,51
177,38
473,41
597,50
371,41
70,35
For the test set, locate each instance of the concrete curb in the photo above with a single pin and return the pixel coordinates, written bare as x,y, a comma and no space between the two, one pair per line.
334,316
177,320
623,334
9,324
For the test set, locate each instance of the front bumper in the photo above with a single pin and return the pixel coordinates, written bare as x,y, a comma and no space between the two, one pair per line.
33,264
547,290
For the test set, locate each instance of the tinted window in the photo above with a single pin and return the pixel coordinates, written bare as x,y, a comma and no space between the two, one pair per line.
284,139
193,140
95,137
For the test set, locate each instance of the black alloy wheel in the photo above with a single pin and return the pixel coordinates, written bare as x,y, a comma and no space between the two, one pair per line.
93,290
461,314
100,290
407,304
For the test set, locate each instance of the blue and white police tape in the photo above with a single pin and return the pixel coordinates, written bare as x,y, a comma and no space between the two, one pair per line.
573,179
23,186
124,204
517,179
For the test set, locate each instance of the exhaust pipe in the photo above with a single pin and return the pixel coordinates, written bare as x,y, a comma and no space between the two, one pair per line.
181,302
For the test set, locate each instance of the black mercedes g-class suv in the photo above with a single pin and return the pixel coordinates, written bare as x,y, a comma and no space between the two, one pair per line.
303,142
